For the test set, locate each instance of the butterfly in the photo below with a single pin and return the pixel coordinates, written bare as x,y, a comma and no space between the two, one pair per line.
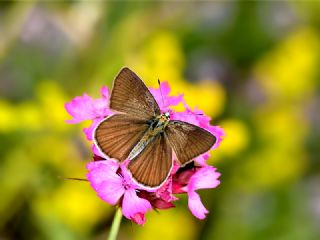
139,132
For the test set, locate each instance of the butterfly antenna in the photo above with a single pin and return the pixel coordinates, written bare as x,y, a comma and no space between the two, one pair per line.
161,91
71,178
190,113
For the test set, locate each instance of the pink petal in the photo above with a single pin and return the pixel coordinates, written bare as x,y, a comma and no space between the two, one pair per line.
101,166
161,204
80,108
186,116
139,218
132,204
173,100
206,177
127,176
196,206
96,174
96,151
165,88
101,107
89,131
218,132
165,192
156,201
178,188
85,108
105,181
111,190
165,101
183,177
175,167
202,159
105,92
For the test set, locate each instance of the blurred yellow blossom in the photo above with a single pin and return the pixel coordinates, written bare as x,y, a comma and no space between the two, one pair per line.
236,140
288,72
73,203
168,65
29,116
8,116
208,96
52,101
271,168
283,128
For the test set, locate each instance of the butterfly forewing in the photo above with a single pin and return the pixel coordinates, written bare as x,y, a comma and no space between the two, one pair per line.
188,141
152,166
117,135
130,95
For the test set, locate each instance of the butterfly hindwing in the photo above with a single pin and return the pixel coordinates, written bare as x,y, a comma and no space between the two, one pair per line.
188,141
130,95
152,166
117,135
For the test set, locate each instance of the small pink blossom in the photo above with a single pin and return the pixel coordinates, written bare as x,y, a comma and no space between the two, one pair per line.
109,180
83,108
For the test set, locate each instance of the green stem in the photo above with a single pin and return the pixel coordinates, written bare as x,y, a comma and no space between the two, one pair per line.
115,225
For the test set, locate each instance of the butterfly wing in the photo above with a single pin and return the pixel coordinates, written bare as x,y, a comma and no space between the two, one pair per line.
130,95
152,166
188,141
117,135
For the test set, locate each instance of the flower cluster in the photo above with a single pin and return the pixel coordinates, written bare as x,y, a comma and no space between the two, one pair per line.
111,179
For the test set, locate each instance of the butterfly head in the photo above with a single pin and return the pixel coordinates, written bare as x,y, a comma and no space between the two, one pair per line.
166,115
163,119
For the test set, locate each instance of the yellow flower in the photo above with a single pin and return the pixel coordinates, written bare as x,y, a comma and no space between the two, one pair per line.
236,140
288,72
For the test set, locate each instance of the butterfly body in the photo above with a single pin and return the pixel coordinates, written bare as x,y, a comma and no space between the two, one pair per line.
156,127
138,132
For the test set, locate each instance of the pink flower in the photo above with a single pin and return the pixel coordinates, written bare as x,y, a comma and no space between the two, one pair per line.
111,182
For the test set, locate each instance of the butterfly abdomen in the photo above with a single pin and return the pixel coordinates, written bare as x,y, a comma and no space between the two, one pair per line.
140,146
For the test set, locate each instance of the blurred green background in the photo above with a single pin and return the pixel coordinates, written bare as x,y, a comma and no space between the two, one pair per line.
253,67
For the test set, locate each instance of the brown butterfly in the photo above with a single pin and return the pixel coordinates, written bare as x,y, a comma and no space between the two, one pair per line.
142,134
